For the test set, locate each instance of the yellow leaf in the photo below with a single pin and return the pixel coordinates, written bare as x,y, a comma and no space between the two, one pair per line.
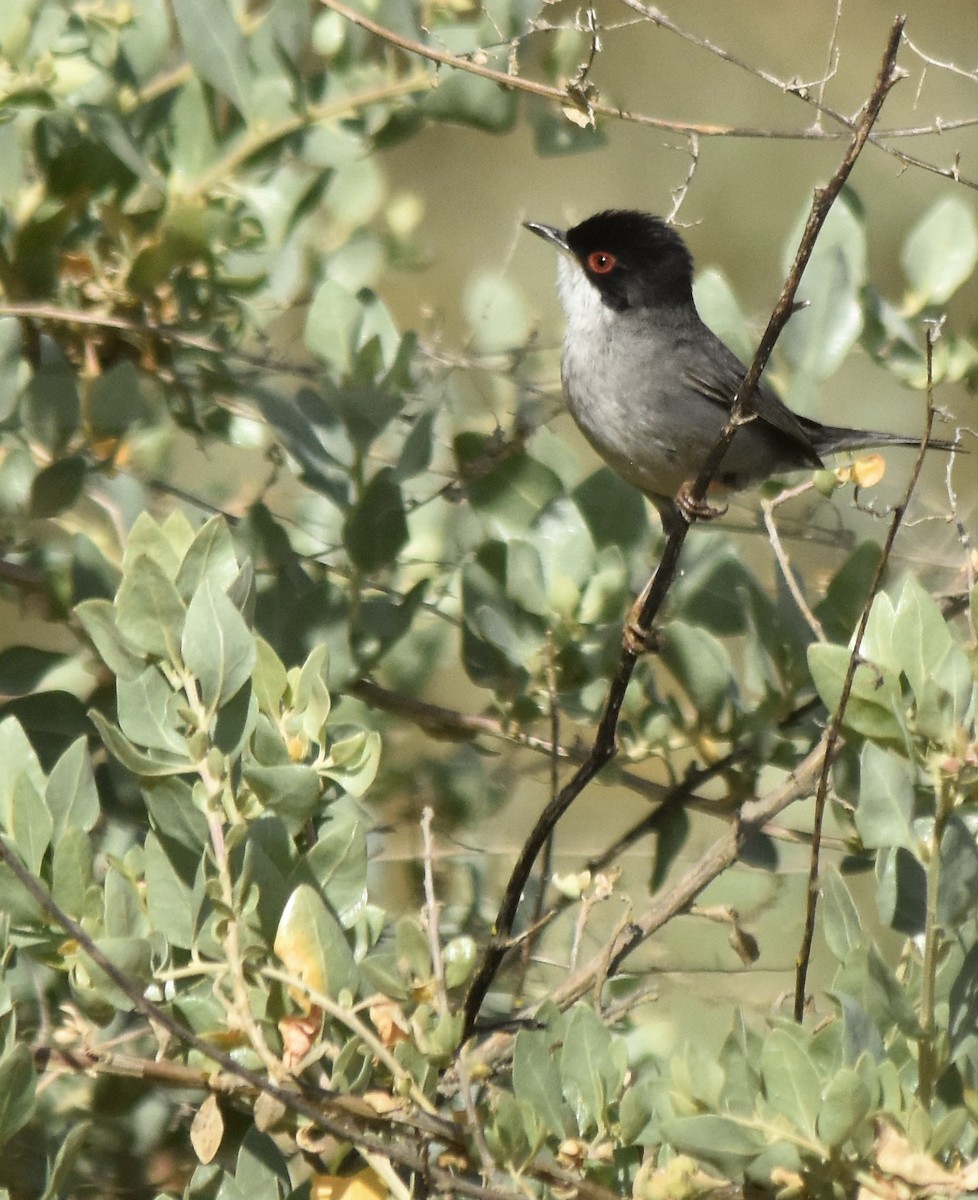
365,1185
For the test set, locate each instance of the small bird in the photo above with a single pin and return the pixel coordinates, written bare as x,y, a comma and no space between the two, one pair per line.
650,386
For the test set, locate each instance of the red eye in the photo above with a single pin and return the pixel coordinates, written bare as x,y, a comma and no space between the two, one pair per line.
600,262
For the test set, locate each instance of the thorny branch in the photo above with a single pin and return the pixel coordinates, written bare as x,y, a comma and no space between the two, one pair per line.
604,748
567,95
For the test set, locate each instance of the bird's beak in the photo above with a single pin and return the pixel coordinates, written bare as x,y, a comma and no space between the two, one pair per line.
557,237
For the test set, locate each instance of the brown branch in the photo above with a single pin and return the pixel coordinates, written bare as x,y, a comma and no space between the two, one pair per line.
396,1138
565,96
604,748
834,731
722,855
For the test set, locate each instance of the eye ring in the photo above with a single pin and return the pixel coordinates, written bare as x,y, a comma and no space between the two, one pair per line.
601,262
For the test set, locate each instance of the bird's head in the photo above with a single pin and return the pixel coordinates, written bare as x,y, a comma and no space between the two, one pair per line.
632,259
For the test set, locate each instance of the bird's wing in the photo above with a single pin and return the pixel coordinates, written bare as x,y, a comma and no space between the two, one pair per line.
718,376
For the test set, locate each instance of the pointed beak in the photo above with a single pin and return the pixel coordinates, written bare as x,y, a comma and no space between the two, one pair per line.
557,237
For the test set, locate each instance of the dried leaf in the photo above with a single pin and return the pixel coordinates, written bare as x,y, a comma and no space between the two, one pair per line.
207,1129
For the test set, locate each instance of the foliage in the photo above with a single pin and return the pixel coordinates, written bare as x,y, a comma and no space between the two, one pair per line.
214,985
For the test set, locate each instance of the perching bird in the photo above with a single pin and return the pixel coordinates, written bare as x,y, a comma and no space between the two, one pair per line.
650,385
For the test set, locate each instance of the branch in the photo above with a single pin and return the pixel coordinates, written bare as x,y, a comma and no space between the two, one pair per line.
834,733
566,96
724,852
400,1138
604,748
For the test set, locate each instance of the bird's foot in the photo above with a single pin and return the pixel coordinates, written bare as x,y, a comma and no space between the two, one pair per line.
636,638
696,510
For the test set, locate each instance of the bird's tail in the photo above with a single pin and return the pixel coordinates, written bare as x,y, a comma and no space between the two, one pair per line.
833,439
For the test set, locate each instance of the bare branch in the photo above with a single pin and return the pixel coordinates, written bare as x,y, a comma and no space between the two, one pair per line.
834,733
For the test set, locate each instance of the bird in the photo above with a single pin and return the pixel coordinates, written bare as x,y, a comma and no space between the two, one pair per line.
651,386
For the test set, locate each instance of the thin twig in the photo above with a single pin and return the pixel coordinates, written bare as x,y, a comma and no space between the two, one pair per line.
431,912
604,747
767,508
834,731
563,96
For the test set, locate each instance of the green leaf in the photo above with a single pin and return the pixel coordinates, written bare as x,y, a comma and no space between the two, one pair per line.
270,678
52,407
337,865
175,816
845,1107
365,411
115,402
376,528
936,668
513,494
701,665
58,486
211,556
132,956
217,646
715,1139
468,99
125,915
69,1151
886,798
214,44
901,893
71,794
261,1169
536,1080
592,1067
353,761
16,1090
866,977
860,1035
169,899
30,823
672,835
312,946
149,611
150,713
98,619
717,305
496,314
615,512
332,326
957,893
165,544
292,790
875,704
310,693
140,762
941,252
840,918
842,605
818,338
791,1083
72,872
459,959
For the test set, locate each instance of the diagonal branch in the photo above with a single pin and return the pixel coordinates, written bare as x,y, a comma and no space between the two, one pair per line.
604,747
